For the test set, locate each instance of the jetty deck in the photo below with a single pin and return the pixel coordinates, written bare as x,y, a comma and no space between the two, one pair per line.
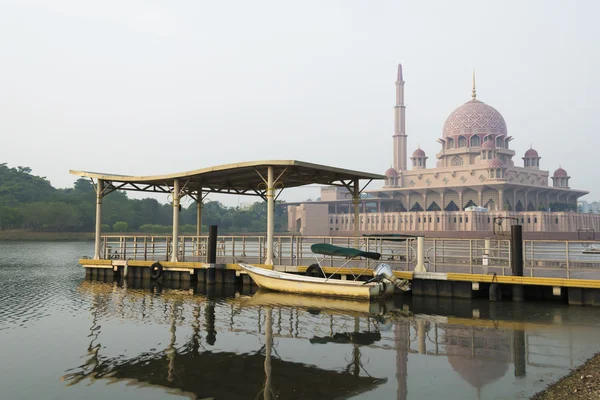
438,267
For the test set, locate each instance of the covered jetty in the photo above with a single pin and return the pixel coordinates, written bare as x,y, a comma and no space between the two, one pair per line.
264,179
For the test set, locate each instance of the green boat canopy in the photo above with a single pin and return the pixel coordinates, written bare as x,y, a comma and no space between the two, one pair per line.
348,252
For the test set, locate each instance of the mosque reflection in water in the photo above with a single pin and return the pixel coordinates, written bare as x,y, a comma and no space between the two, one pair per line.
224,344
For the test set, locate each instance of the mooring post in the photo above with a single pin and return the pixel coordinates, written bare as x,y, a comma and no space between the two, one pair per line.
211,252
420,267
516,249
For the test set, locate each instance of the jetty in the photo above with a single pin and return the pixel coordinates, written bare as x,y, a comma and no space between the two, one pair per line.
503,266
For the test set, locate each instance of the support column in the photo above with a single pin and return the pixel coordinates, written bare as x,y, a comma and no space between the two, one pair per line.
99,190
270,216
443,201
525,194
420,267
356,201
425,200
199,214
460,200
500,200
480,198
175,241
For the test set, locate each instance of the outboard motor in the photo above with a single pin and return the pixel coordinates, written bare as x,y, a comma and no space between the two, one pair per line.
384,271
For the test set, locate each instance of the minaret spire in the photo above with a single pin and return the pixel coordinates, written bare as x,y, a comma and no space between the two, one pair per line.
400,151
474,92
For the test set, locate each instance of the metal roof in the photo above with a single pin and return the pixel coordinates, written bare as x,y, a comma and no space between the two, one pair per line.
247,178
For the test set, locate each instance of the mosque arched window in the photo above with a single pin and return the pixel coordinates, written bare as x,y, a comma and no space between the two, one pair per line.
527,162
487,138
498,173
475,141
533,162
450,143
462,141
490,155
499,142
420,161
457,161
484,155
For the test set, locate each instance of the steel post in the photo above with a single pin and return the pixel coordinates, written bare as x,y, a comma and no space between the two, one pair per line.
270,216
420,267
99,190
175,249
199,216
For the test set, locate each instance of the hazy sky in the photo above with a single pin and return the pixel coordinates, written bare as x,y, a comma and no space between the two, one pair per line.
149,87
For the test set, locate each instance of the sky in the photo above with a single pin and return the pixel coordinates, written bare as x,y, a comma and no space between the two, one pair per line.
141,87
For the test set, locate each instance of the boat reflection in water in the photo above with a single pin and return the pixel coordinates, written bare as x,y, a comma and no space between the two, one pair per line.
215,342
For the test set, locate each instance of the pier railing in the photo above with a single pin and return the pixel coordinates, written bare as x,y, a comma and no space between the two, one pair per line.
561,259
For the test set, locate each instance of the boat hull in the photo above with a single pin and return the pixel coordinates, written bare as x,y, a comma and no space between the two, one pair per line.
289,283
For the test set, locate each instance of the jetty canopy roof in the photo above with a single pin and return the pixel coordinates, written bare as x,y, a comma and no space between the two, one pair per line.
247,178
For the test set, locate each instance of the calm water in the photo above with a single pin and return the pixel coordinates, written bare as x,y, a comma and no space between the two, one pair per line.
62,337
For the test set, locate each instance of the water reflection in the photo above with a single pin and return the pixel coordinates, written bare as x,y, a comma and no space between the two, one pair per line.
217,342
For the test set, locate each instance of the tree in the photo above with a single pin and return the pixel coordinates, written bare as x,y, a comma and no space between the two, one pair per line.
10,217
120,226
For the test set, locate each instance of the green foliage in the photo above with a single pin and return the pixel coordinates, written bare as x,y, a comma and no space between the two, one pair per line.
30,202
120,226
10,217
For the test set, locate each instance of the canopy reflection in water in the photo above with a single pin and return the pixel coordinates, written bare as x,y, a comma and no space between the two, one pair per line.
275,345
194,371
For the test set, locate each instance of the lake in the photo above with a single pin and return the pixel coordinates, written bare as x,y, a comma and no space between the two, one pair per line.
62,337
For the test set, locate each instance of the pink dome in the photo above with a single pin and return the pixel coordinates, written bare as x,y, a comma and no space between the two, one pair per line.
391,173
488,145
419,153
496,163
531,153
560,173
475,117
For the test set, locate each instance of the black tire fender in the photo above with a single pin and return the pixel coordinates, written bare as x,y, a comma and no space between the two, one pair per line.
314,270
156,270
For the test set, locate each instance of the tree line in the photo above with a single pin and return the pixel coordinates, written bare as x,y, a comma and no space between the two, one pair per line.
30,202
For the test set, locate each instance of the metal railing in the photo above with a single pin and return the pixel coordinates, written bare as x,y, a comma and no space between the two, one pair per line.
561,259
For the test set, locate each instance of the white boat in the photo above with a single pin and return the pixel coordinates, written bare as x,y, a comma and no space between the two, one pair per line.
290,283
591,249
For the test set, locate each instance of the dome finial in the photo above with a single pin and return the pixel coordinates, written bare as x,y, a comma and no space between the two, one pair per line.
474,92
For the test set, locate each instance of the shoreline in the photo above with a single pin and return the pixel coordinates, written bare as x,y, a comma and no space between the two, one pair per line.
10,236
581,383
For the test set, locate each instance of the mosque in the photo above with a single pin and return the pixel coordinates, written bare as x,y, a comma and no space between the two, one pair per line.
475,180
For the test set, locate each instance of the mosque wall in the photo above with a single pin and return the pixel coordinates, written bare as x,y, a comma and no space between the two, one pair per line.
462,221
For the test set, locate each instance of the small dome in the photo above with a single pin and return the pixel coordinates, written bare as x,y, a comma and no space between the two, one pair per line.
488,145
496,163
560,173
418,153
391,173
475,117
531,153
